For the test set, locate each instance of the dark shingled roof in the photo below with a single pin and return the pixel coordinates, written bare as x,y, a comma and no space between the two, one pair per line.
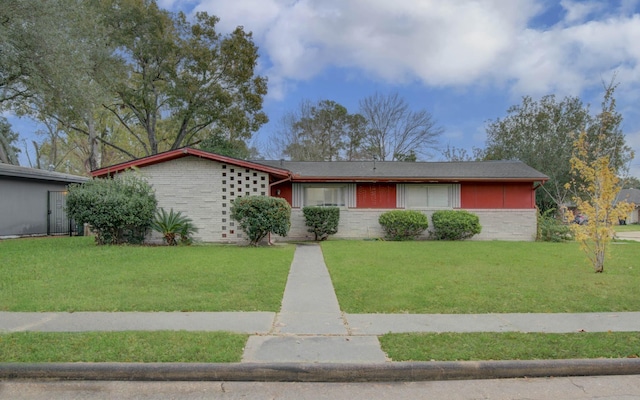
16,171
409,171
629,195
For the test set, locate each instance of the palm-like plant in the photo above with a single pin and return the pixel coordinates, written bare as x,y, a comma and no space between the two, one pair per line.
188,229
173,225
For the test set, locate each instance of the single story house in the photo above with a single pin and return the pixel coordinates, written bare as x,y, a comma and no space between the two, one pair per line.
32,201
202,186
631,196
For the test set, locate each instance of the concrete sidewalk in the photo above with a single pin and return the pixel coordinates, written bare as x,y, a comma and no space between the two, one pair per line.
634,235
266,323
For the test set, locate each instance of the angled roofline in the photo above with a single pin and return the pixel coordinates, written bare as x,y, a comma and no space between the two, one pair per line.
184,152
20,172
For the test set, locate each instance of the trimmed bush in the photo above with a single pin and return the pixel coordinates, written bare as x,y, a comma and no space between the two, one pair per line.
454,225
259,215
550,229
403,224
119,210
321,221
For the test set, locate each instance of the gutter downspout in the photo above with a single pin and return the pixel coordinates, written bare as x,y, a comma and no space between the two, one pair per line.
271,185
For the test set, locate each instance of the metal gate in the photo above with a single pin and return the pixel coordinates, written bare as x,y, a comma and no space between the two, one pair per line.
57,220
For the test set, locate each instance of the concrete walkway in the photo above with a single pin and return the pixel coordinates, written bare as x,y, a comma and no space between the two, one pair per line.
310,327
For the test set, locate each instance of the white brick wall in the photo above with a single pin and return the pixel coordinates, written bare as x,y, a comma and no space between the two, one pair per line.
504,224
202,190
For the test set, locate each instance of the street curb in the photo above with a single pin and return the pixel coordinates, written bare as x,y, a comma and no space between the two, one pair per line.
310,372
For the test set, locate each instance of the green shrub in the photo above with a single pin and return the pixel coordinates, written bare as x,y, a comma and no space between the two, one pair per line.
454,225
119,210
550,229
259,215
321,221
403,224
174,226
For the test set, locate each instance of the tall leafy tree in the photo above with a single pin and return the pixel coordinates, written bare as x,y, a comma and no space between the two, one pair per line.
65,148
219,144
322,131
631,182
8,138
394,131
36,49
183,77
58,65
541,134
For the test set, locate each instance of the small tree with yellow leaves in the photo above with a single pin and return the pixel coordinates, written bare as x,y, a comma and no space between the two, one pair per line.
595,199
595,182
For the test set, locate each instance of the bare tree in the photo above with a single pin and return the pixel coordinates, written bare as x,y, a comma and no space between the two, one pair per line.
453,153
394,131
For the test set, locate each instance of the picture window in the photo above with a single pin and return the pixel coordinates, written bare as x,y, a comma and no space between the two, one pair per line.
333,196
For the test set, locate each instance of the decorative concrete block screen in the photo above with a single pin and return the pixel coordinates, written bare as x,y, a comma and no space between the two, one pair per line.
238,182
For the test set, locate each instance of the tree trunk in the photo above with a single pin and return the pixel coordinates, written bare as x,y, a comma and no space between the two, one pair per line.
94,150
599,261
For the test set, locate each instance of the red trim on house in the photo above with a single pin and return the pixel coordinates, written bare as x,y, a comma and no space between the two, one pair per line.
328,179
497,195
283,190
376,195
184,152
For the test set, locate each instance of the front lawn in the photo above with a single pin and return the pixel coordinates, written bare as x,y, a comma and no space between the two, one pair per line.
509,346
73,274
627,228
430,277
133,346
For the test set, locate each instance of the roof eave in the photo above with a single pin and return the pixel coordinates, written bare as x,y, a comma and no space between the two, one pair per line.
37,176
301,179
184,152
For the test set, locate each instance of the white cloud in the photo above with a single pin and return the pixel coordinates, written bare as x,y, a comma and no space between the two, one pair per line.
566,60
579,10
439,43
435,42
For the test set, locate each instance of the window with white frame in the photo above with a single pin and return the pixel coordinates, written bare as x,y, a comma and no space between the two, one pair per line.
428,196
323,194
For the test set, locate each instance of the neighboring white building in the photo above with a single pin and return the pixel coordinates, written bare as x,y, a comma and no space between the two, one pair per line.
631,196
202,186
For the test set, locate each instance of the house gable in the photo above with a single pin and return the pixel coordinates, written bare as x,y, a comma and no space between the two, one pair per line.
185,152
203,189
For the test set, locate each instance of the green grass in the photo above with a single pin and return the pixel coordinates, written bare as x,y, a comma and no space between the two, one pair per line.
73,274
480,277
146,347
627,228
509,346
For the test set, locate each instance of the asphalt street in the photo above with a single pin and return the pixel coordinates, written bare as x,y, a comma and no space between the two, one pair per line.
572,388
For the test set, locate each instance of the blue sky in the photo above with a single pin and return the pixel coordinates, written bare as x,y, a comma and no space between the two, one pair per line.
465,61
